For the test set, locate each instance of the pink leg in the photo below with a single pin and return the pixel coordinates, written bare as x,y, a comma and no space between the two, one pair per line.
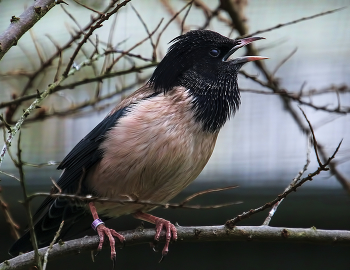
160,223
102,230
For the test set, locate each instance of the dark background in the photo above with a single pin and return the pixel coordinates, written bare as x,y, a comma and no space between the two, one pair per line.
323,209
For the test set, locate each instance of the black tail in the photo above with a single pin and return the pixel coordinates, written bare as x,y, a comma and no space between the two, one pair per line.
47,226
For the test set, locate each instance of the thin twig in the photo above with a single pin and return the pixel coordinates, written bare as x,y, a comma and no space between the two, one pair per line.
19,123
26,203
205,192
147,31
75,108
284,60
333,170
185,17
89,8
36,46
130,200
292,184
75,21
232,222
313,137
10,175
168,23
109,68
8,218
81,82
51,245
97,25
292,22
211,14
56,186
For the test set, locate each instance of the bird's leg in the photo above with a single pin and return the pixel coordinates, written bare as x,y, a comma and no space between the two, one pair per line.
171,231
102,230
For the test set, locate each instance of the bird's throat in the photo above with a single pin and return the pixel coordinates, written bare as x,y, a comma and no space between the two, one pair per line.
213,101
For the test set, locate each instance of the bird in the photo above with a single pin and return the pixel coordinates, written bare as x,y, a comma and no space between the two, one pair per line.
151,146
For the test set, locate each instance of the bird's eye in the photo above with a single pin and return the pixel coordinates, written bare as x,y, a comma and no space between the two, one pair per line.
214,52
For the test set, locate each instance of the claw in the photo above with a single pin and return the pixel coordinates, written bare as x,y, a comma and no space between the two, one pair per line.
154,245
123,244
102,230
114,262
171,231
161,259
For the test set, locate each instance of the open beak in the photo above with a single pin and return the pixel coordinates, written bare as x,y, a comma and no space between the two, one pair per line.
241,43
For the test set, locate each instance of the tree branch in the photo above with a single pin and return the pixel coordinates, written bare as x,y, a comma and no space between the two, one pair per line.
323,167
193,234
20,25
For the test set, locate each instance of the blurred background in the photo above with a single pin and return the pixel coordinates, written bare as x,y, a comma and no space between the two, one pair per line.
261,149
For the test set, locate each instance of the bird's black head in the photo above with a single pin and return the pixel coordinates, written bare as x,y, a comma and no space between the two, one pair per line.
200,61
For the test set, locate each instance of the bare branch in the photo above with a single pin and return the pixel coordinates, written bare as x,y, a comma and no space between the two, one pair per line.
26,204
81,82
193,234
8,218
210,14
148,33
89,8
314,139
89,33
130,200
109,68
10,175
333,169
184,18
56,186
205,192
284,60
25,114
293,22
51,245
232,222
171,19
20,25
292,184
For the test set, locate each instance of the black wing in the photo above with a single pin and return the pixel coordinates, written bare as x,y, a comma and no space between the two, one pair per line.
52,211
82,157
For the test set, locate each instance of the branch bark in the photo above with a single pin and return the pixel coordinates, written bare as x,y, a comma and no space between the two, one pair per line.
20,25
193,234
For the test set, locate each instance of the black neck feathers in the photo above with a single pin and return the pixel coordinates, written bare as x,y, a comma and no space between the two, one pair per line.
214,101
197,62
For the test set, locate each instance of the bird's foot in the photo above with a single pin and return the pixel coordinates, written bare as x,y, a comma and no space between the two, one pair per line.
171,231
102,230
